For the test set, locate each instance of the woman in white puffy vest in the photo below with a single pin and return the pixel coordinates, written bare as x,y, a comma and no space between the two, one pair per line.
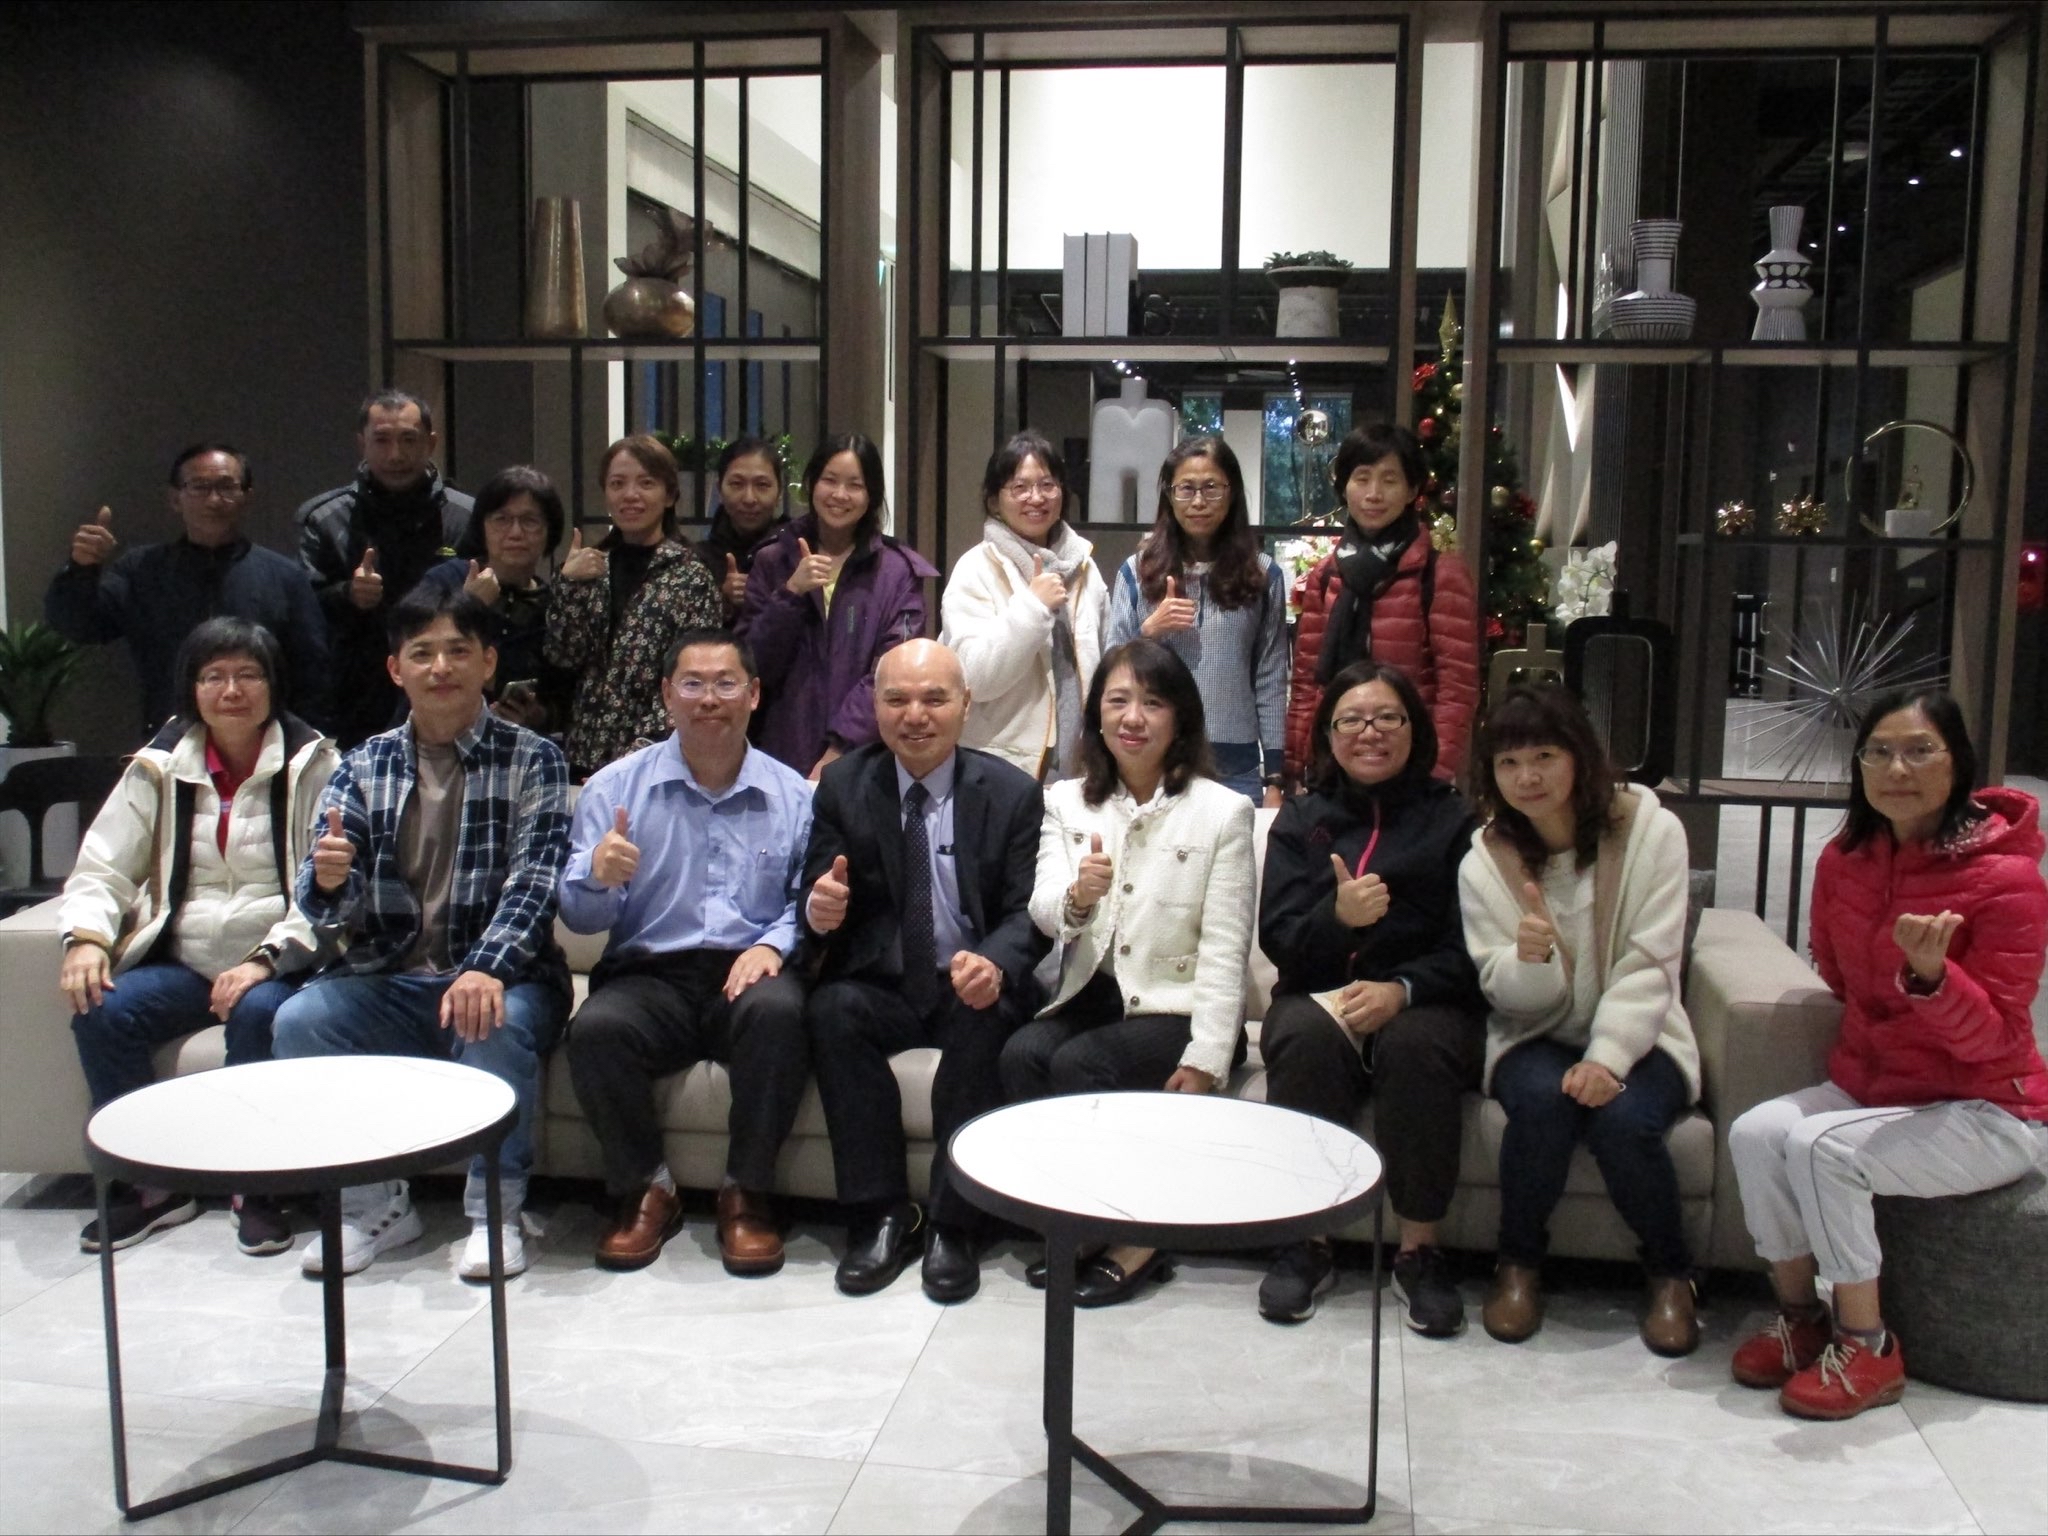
1145,882
178,913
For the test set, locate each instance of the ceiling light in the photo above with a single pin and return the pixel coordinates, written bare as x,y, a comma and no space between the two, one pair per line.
1956,153
1841,229
1913,180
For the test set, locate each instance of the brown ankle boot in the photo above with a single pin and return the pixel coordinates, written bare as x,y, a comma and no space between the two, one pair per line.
1514,1303
1671,1325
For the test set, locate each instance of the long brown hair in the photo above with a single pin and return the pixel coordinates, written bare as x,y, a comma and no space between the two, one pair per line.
1235,580
1545,715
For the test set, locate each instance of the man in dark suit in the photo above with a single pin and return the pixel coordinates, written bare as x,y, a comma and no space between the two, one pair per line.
920,867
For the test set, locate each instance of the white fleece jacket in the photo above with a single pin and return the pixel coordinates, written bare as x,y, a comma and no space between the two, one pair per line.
1638,1007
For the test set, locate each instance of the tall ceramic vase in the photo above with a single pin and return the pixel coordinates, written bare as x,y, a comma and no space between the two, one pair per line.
1653,312
556,308
1783,292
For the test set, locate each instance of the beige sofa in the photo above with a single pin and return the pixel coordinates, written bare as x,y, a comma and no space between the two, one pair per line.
1763,1018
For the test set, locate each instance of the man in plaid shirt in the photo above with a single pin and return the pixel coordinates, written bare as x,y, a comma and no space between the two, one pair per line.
435,876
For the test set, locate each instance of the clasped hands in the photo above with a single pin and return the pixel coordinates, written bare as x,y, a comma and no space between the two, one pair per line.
977,980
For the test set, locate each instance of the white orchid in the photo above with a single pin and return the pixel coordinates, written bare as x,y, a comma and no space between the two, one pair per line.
1296,557
1586,584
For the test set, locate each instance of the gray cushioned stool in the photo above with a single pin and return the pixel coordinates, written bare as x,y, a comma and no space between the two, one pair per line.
1963,1286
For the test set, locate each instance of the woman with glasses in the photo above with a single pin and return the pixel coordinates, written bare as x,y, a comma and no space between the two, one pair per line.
826,598
178,914
749,513
618,605
503,560
1199,584
1024,610
1144,882
1929,923
1384,593
1376,994
1574,902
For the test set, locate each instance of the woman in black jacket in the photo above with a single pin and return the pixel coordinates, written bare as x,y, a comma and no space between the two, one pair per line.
1377,994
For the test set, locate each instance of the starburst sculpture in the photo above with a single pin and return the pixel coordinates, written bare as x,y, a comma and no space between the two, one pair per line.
1834,670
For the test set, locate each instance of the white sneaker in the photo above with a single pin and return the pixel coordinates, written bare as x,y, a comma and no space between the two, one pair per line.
476,1253
374,1219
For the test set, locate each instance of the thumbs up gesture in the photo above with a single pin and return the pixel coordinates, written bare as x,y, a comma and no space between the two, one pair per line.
94,542
582,564
828,898
482,584
1046,587
1536,937
333,855
733,585
1092,880
615,859
366,587
1174,613
812,571
1361,902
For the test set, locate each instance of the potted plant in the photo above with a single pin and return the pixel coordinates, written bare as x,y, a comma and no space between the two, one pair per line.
36,663
1309,282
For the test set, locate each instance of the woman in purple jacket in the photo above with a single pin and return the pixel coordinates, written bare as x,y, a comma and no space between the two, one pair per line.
825,599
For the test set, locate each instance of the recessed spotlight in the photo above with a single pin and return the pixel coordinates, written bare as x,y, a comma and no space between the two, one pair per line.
1841,229
1913,181
1956,153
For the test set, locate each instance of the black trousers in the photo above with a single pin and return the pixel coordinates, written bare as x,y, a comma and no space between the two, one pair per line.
648,1018
855,1027
1089,1046
1417,1068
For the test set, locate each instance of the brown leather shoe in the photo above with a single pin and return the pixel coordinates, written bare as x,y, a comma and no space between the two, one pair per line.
644,1223
748,1239
1670,1324
1514,1303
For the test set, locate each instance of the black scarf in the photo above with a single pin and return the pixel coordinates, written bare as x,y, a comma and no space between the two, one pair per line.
1366,565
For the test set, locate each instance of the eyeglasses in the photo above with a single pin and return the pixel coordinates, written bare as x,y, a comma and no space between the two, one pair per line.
724,688
1918,754
1033,490
226,490
1385,721
1187,492
214,681
523,522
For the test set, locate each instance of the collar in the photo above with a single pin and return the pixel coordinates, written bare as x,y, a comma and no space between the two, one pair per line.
193,756
938,783
465,744
234,549
671,767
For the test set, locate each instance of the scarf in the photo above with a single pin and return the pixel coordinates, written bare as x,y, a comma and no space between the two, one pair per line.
1066,553
1366,564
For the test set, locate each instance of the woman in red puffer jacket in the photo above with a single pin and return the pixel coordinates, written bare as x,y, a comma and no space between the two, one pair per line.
1930,920
1385,594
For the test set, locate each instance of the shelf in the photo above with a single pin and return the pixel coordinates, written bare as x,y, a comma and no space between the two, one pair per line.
1753,354
1154,349
1263,530
1774,792
723,349
1825,541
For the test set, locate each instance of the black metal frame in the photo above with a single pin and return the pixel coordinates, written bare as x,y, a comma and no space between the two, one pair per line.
1064,1233
328,1182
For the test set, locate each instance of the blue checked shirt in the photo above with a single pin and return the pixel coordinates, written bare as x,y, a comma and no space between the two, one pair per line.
509,852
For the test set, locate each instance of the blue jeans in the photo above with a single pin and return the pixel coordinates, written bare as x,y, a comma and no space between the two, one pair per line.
1240,765
152,1005
1625,1136
400,1015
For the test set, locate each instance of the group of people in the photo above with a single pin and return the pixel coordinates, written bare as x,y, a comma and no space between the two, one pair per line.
815,839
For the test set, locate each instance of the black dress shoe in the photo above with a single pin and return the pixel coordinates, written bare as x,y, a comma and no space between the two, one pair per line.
1035,1272
876,1254
1103,1283
952,1268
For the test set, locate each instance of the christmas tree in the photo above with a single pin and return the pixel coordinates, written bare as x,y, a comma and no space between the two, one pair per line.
1515,589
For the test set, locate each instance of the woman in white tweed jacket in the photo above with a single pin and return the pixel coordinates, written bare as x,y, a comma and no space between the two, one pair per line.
1146,885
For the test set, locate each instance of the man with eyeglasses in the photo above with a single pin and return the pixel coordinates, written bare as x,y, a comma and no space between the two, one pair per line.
154,595
688,854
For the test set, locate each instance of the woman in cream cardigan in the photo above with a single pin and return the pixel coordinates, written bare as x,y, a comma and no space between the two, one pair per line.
1145,883
1574,906
1025,610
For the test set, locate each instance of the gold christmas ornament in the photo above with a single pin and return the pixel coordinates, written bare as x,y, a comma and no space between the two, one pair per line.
1802,517
1733,517
1498,496
1458,391
1535,546
1448,331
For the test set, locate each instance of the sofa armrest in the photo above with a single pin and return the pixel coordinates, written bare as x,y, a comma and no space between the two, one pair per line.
43,1099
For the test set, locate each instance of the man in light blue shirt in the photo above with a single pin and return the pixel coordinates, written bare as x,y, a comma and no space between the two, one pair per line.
688,854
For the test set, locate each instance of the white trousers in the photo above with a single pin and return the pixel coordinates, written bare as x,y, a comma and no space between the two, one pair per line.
1809,1163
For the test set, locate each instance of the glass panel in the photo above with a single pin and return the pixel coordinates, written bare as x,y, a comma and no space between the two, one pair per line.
1920,215
1298,116
1295,475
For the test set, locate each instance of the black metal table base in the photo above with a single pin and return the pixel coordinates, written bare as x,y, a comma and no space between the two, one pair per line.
326,1444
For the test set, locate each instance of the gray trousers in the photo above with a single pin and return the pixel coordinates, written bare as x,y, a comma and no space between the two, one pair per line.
1809,1163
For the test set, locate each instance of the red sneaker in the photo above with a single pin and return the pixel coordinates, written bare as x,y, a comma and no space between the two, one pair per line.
1774,1356
1845,1380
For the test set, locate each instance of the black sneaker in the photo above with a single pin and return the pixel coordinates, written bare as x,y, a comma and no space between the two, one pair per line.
261,1226
129,1221
1422,1279
1302,1274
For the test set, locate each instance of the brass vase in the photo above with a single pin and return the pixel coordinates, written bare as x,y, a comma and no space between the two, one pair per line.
556,309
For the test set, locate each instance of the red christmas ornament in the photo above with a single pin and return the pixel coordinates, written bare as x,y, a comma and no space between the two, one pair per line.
1426,428
1495,630
1424,372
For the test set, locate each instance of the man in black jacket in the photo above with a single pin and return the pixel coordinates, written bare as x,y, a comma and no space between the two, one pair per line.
366,544
920,867
154,595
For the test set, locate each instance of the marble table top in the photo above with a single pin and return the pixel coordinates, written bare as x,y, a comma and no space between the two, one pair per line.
318,1113
1166,1159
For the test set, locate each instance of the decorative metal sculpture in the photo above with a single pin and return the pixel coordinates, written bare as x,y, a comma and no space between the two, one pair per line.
1910,527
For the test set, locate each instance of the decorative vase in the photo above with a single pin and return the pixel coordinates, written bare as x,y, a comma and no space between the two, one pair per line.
1308,299
650,309
1783,293
556,309
1653,312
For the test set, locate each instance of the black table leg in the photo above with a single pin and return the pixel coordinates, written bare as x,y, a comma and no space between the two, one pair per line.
1059,1381
334,1323
501,1363
120,1419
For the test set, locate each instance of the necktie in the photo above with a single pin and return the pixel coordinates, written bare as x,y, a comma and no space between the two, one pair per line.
920,949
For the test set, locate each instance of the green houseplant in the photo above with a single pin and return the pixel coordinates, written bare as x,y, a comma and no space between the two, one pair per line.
1309,282
35,665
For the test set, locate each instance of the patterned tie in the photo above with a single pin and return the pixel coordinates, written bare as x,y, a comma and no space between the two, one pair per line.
920,949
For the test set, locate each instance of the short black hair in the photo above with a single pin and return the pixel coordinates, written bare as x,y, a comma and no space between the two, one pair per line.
1959,812
394,400
212,445
228,637
518,480
707,635
863,449
1158,670
420,607
1323,772
1368,445
747,446
1008,459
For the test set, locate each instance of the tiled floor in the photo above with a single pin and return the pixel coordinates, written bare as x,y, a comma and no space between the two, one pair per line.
677,1399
